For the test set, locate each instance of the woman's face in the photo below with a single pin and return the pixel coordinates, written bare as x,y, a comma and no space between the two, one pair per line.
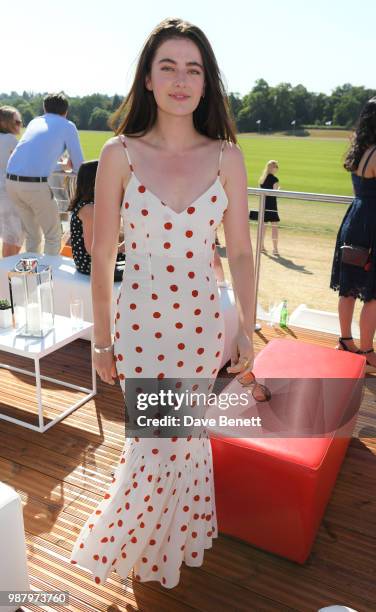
177,77
16,123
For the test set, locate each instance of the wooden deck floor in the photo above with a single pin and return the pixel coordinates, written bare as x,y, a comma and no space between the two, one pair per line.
62,473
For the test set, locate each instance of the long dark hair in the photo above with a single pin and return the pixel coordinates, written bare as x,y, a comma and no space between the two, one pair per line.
138,112
364,135
85,183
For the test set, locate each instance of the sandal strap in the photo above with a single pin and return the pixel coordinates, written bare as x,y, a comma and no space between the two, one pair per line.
368,352
349,338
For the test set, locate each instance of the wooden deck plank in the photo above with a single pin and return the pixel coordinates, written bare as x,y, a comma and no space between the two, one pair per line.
54,567
61,476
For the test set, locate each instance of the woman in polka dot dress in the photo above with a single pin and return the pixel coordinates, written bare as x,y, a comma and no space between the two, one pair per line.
177,172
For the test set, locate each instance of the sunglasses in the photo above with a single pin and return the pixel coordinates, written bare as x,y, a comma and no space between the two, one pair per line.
260,392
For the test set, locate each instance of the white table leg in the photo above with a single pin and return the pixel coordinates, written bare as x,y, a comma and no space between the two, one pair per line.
39,393
93,370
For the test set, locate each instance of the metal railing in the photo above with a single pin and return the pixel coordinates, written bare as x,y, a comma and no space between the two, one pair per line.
291,195
63,184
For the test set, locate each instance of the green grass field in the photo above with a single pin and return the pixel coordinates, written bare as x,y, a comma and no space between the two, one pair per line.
305,164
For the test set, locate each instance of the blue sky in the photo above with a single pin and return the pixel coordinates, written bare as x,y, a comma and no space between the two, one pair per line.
86,46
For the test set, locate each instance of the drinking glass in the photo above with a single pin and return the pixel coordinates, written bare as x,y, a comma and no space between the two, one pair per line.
272,308
76,312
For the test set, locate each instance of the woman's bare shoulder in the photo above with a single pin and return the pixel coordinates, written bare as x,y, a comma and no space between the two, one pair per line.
370,155
86,210
232,159
113,146
113,157
232,153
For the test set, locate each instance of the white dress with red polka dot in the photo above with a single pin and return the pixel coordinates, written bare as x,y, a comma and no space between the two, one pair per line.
160,508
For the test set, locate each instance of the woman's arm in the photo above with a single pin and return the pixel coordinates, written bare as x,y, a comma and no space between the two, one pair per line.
109,189
86,216
239,248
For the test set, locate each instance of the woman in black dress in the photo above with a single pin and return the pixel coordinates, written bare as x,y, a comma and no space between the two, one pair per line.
358,229
82,220
268,180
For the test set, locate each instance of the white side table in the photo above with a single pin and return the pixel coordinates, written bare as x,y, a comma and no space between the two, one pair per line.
36,348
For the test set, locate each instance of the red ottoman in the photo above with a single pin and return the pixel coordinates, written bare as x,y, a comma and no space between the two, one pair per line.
272,491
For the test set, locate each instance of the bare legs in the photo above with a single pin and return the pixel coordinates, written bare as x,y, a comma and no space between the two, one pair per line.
274,238
10,249
346,311
367,324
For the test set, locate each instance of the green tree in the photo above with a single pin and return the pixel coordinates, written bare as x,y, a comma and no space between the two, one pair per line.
346,111
116,101
302,101
25,109
235,103
256,106
283,108
275,107
99,119
319,103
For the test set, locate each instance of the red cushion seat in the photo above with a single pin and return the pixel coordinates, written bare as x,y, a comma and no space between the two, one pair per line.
272,491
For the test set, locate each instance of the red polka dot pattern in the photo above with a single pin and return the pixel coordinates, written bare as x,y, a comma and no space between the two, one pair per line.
168,324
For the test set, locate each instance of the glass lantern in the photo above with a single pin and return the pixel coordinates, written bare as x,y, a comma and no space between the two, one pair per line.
30,287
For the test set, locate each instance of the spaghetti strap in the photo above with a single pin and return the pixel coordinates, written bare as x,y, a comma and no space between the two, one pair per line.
220,157
367,160
122,140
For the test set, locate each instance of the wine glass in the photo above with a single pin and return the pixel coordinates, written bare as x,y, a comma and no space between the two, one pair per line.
273,305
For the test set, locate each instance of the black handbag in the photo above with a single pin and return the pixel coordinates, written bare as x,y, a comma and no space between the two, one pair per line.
355,255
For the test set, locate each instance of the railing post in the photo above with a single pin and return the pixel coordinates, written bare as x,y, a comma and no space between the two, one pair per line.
260,228
293,195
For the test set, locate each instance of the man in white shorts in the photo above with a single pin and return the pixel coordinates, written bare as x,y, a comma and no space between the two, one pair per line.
29,166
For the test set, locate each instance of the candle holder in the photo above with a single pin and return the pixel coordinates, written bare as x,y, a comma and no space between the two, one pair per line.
30,287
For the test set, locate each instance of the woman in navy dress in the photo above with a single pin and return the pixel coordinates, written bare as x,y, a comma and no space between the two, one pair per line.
358,228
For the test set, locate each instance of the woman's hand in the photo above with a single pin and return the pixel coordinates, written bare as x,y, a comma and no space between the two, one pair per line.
105,366
242,358
242,355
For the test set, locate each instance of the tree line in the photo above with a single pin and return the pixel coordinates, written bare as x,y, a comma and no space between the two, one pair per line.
264,109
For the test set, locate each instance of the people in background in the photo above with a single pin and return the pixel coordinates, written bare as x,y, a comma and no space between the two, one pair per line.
11,232
268,180
29,166
82,218
357,280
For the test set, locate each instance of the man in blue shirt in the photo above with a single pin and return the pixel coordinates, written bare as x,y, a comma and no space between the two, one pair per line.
29,166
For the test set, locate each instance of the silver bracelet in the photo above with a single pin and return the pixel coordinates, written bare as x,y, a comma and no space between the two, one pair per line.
103,349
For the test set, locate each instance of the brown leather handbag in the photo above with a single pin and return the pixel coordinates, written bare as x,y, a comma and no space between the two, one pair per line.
355,255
